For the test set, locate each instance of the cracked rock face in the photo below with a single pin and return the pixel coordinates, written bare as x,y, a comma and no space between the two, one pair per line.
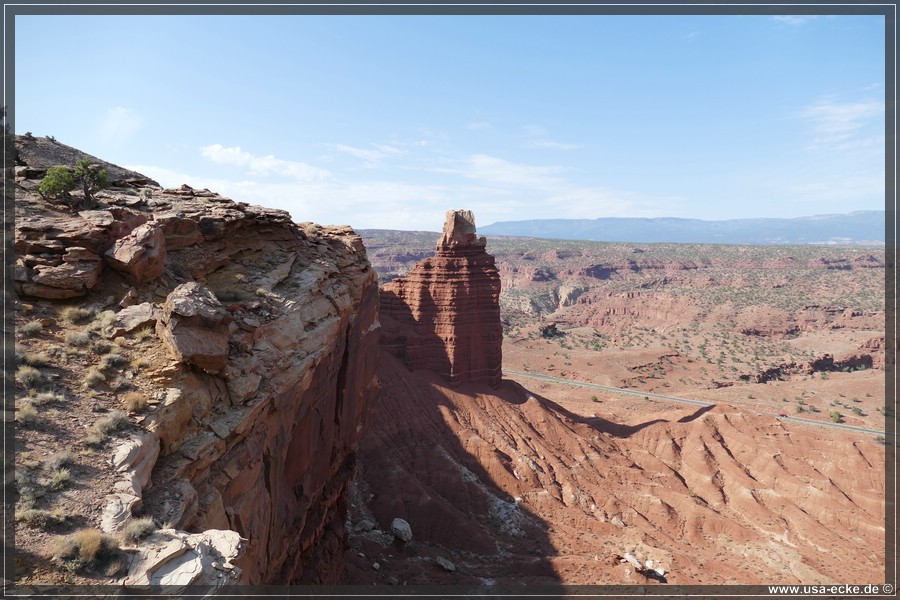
194,327
141,255
444,316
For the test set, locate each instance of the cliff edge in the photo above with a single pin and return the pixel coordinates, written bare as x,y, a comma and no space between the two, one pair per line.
231,353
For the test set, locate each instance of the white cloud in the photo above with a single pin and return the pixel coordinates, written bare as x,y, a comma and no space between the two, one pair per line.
835,123
119,124
534,130
494,188
493,170
551,145
538,139
263,165
371,156
794,19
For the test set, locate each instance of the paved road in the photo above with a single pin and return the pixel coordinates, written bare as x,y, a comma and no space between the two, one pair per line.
607,388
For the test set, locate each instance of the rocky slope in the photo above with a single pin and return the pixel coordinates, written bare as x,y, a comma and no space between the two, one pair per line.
444,316
511,488
243,346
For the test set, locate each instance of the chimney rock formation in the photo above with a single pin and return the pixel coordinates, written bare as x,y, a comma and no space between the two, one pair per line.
444,316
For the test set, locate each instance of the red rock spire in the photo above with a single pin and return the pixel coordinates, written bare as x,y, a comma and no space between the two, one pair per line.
444,316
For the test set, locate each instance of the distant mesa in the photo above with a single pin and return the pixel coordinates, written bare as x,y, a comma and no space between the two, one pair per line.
861,227
444,316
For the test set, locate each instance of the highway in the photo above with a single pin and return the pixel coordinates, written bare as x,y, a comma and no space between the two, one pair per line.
615,390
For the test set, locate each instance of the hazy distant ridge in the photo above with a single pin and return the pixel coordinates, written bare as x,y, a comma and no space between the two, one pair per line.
858,227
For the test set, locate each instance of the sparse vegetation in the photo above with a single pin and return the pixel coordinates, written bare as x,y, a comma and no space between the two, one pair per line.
94,377
59,460
134,402
27,415
38,518
60,478
88,550
28,377
31,329
75,314
110,361
79,339
836,417
99,432
136,529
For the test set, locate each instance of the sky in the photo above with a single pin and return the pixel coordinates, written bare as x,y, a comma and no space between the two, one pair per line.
389,121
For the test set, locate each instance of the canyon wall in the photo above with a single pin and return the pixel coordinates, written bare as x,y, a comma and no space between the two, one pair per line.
253,341
444,316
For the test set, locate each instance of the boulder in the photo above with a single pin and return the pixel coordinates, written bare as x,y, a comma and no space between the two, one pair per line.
132,318
401,530
140,255
445,564
194,327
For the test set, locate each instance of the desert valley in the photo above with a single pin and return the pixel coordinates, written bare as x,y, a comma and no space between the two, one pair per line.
208,393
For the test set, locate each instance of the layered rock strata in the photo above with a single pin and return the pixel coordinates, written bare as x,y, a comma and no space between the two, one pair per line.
445,315
258,342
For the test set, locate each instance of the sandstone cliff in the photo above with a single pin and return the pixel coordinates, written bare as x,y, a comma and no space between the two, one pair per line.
444,316
249,342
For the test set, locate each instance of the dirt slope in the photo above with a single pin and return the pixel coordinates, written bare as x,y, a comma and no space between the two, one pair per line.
513,488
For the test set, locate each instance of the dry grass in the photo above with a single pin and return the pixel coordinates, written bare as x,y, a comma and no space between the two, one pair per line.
144,333
89,550
134,402
60,479
111,360
44,398
38,518
31,329
79,339
37,359
28,376
27,415
94,377
75,314
59,460
136,529
99,432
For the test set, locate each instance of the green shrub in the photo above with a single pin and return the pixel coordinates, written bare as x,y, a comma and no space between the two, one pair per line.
58,182
836,417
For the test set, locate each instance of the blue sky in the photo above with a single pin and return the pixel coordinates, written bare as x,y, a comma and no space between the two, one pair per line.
389,121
